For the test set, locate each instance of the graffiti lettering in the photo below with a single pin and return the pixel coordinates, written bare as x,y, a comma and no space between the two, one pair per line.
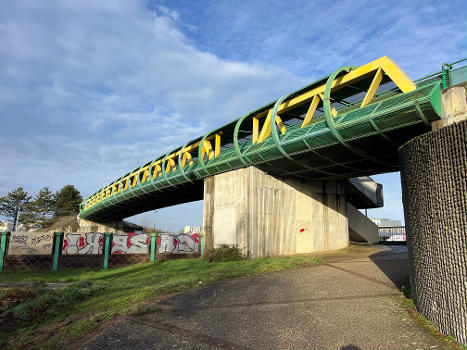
79,243
20,240
181,243
31,243
39,239
130,243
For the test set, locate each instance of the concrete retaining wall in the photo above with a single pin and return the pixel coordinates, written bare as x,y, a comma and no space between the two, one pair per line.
434,192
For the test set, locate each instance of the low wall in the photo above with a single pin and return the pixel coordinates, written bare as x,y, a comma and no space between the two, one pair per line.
434,193
76,250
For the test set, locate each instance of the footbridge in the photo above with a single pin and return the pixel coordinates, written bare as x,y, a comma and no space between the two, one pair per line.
289,177
345,125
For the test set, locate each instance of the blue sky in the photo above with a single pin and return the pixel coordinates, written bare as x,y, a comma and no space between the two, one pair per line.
92,89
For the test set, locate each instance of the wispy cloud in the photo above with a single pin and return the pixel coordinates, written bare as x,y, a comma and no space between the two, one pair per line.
311,38
111,86
92,89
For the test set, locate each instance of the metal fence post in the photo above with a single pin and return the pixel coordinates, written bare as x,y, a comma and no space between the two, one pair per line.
58,239
202,244
3,249
107,249
153,245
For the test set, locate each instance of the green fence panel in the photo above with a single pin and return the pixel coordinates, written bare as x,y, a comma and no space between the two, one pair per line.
58,239
108,235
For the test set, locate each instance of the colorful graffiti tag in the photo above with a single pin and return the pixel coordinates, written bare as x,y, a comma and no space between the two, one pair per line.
180,243
83,243
130,243
30,243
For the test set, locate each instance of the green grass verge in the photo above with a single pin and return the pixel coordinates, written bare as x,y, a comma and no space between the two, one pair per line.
97,296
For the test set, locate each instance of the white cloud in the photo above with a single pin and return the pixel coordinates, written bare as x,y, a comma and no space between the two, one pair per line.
91,89
94,89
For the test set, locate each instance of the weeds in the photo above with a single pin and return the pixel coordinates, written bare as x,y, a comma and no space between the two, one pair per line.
144,309
406,291
224,253
46,304
451,338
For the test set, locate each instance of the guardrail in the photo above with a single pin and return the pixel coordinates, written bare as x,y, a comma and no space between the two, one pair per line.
392,234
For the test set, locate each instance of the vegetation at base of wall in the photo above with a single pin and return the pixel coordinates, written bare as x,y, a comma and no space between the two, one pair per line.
97,296
409,305
224,253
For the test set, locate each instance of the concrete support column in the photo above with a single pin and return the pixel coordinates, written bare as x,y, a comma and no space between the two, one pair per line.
434,193
266,216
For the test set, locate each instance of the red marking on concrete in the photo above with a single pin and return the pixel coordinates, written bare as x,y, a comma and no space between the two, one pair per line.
195,237
302,230
65,244
82,242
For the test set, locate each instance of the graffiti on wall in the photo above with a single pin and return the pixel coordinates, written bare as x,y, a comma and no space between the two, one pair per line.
30,243
180,243
130,243
83,243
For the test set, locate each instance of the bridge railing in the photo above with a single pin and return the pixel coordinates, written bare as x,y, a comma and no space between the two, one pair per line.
392,234
325,118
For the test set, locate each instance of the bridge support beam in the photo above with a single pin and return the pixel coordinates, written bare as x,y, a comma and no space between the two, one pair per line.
266,216
434,193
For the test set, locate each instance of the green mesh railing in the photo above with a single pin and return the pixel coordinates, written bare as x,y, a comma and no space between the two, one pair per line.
361,141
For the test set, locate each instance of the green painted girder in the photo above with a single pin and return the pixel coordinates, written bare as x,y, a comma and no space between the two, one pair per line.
359,141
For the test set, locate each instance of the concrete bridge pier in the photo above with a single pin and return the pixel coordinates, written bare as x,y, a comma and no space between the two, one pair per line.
265,216
434,192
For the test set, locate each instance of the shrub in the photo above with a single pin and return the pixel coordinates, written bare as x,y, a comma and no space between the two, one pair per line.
224,253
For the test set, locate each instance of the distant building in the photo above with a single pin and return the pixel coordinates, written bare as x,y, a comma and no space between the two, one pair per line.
390,230
192,229
385,222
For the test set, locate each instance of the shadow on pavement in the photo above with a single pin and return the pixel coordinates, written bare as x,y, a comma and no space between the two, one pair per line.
393,262
350,347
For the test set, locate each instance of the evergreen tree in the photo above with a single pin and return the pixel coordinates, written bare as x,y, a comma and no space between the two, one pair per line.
12,205
38,212
67,201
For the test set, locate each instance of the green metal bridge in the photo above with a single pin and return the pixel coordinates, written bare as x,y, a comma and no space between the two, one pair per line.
348,124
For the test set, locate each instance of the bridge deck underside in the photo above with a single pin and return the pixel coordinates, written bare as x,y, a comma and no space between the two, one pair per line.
365,142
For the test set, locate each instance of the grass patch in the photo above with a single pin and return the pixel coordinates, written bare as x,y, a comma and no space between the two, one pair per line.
53,319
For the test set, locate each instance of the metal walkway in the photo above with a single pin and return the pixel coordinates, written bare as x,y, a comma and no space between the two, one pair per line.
348,124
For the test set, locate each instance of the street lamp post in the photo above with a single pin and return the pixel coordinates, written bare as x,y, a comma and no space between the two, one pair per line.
167,224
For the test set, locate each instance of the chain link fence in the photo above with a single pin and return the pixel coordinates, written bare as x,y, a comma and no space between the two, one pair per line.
91,250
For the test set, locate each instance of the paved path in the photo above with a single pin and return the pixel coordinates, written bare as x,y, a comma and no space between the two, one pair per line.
349,305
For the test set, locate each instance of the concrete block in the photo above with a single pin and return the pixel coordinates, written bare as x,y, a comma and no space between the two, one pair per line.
267,216
453,106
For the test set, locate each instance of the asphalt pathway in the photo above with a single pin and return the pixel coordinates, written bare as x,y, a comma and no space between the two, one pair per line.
346,304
